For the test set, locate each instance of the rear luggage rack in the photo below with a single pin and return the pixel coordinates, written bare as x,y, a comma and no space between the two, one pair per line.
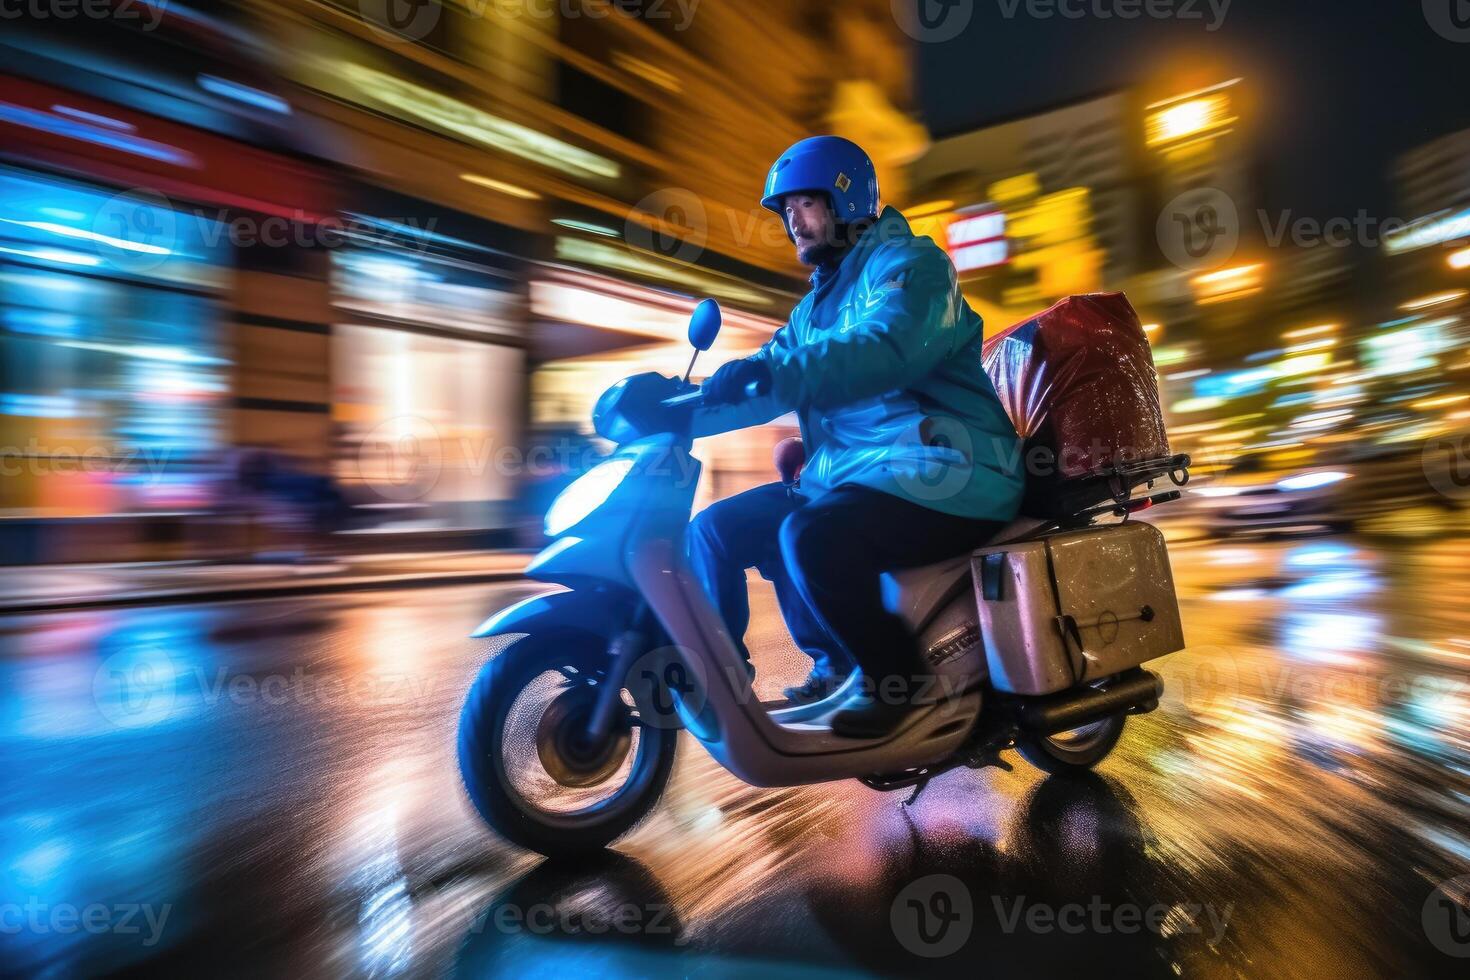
1079,501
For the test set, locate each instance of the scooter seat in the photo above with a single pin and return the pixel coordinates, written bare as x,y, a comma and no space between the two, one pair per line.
913,593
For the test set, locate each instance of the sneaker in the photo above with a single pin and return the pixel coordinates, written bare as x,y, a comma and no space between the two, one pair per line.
817,686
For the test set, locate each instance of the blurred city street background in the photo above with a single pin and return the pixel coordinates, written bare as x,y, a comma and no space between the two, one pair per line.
304,305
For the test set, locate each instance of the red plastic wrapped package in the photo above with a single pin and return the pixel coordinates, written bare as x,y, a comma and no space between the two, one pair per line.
1078,381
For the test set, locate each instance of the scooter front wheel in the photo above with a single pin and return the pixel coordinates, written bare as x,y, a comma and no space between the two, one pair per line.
528,764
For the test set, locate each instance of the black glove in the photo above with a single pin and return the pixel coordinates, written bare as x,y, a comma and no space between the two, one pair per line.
727,385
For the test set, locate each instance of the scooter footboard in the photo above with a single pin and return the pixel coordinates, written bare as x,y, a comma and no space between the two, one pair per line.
737,730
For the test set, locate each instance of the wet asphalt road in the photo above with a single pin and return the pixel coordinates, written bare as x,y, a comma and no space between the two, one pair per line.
271,786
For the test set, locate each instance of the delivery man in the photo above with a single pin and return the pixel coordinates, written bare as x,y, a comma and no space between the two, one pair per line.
911,458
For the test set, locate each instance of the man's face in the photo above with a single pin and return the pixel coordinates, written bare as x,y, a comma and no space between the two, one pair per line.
809,220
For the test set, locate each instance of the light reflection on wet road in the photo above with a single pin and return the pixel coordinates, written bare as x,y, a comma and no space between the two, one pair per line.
271,786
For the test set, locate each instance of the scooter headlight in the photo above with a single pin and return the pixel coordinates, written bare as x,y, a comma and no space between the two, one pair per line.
587,493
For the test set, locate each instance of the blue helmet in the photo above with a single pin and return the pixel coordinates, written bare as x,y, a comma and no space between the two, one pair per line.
837,167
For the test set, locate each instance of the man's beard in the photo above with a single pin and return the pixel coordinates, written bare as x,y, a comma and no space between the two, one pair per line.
820,253
829,252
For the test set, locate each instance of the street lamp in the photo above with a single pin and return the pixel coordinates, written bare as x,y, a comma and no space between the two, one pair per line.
1190,116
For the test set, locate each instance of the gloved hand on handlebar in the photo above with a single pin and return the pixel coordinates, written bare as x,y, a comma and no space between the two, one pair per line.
727,385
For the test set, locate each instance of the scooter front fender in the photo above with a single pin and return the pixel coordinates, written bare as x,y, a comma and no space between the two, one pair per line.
603,612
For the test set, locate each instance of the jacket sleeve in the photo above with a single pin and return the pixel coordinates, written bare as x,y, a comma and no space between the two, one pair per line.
755,411
910,326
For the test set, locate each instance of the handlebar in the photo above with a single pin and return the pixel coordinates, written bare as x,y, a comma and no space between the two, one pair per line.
753,390
697,395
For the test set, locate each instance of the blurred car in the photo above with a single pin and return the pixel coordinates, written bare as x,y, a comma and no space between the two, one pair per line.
1253,502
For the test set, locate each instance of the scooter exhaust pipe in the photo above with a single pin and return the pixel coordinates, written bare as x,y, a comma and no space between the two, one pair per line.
1053,713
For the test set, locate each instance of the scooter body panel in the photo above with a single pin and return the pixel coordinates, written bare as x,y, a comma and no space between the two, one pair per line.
724,713
600,611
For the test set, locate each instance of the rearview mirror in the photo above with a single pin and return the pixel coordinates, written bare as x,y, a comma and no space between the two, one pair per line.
704,324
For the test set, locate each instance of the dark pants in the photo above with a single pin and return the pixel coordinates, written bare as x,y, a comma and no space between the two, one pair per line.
742,532
833,552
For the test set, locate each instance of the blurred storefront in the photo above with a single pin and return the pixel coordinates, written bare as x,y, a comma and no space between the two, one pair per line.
114,368
480,223
126,181
427,366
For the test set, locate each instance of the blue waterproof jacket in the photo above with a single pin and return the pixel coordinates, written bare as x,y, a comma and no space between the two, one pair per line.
881,363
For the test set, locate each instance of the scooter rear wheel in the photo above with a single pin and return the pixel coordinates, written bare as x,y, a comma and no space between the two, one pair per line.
526,762
1072,752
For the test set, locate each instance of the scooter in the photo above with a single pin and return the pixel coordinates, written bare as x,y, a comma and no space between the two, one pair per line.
568,735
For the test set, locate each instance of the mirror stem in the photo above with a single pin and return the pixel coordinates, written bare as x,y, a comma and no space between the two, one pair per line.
690,369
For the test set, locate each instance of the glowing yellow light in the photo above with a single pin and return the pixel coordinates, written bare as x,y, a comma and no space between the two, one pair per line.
1235,436
1227,284
1191,117
1152,328
1439,402
1460,259
612,257
1301,364
1014,188
1309,331
1312,345
1436,299
450,115
1228,275
637,66
514,190
1197,405
925,210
